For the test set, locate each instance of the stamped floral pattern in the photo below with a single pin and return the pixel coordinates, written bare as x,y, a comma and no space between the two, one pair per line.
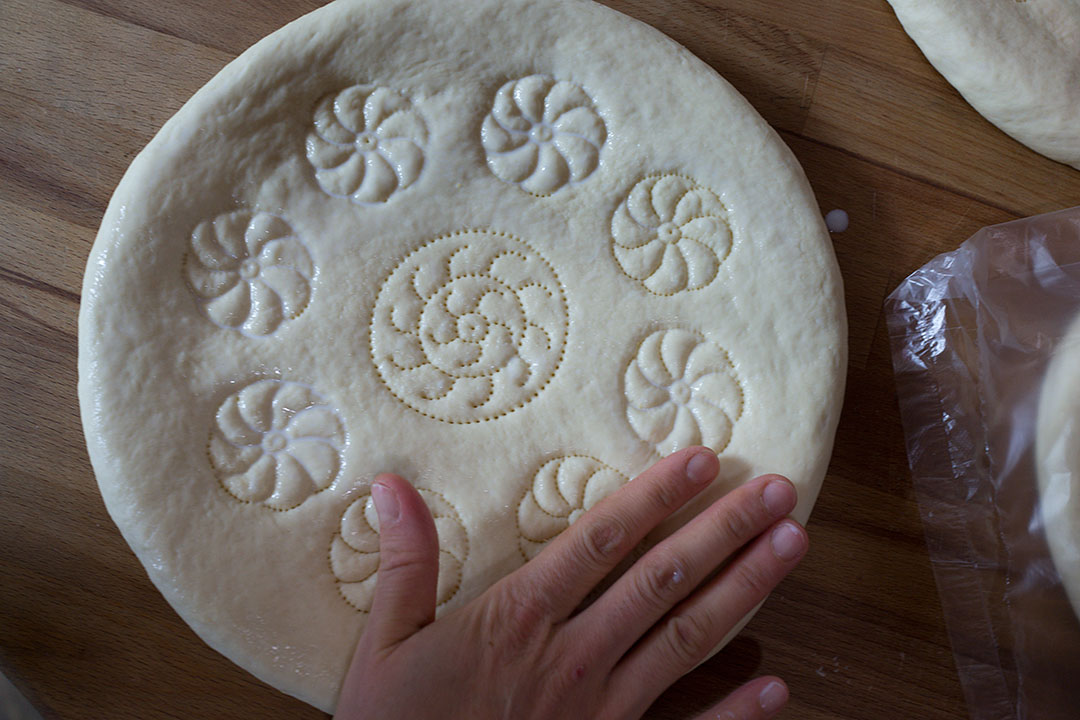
249,271
670,234
543,134
469,327
682,390
354,550
562,489
367,144
276,443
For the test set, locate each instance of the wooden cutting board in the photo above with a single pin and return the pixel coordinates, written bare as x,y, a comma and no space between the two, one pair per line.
857,631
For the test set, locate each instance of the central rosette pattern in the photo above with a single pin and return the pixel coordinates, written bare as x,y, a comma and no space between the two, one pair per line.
469,327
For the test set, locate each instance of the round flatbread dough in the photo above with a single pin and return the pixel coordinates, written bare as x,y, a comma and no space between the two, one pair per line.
515,251
1057,452
1016,62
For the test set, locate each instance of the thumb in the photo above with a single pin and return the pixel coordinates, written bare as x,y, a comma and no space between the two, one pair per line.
408,563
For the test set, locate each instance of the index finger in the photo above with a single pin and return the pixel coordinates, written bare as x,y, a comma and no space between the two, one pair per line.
566,571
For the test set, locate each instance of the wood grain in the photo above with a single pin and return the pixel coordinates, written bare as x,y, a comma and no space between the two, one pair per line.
857,630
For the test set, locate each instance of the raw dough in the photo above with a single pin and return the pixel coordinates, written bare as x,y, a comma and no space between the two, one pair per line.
1057,452
512,250
1016,61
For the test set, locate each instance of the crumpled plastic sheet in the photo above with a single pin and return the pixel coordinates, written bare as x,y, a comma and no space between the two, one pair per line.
972,334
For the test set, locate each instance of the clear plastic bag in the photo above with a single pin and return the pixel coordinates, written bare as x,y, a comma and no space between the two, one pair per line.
973,334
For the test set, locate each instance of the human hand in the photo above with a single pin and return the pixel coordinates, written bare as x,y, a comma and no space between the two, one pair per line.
520,651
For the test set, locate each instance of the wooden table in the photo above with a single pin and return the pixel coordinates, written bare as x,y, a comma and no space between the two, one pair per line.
857,631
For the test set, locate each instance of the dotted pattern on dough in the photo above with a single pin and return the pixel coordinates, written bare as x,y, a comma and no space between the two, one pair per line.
670,234
354,550
542,134
248,272
681,390
367,144
469,327
562,489
275,443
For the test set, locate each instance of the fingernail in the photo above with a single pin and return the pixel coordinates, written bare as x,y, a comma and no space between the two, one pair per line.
702,468
787,541
772,698
779,497
386,503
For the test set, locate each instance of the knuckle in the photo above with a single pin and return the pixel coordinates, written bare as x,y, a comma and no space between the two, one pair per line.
402,560
660,581
602,541
752,581
665,493
737,525
687,639
518,618
527,615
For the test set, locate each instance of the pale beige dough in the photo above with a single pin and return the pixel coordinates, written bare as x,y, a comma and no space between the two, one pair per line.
514,251
1016,61
1057,452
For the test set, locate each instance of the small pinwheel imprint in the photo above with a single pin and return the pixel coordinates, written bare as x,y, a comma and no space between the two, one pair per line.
562,490
469,327
542,134
682,390
249,272
354,551
276,443
671,234
368,143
